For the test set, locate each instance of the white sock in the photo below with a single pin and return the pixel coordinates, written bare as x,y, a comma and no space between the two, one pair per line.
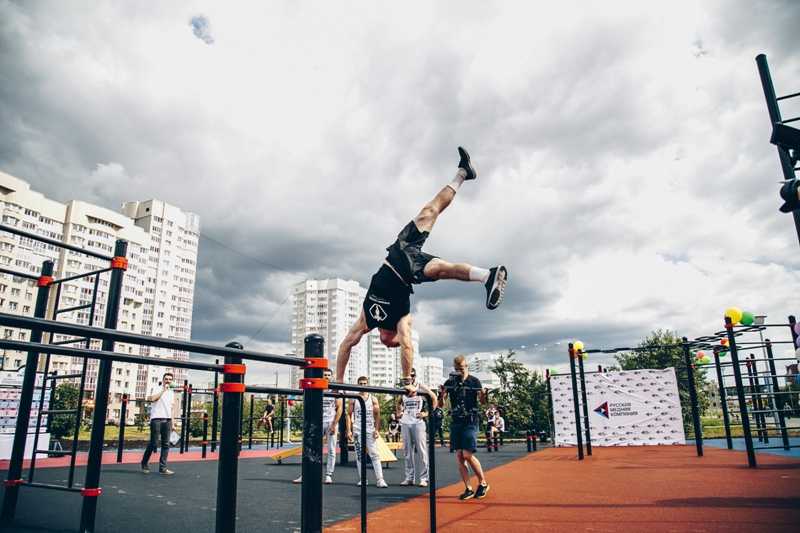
479,274
458,180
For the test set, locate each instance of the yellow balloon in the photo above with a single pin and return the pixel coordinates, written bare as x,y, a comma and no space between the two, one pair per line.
734,313
578,345
585,356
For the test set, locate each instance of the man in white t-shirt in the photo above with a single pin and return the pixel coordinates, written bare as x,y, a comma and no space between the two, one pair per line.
160,424
373,419
412,427
331,413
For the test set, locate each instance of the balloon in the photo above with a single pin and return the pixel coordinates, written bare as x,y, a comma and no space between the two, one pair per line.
701,354
747,318
705,360
585,356
578,345
734,313
723,353
723,342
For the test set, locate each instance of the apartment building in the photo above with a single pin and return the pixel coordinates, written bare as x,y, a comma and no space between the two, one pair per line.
96,228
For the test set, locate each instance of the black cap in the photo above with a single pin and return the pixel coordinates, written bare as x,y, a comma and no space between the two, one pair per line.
791,196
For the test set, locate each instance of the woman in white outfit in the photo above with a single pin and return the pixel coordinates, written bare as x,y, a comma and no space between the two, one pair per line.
373,417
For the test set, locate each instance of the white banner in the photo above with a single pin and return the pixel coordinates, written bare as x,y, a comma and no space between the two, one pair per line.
628,408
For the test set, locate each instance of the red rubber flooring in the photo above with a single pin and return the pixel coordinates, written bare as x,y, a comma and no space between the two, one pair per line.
110,457
637,489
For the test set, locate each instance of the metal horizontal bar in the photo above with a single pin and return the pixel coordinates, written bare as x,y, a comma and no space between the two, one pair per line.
101,354
25,275
76,308
786,97
51,487
59,452
33,236
794,119
84,275
365,388
273,390
756,448
144,340
65,376
70,341
59,411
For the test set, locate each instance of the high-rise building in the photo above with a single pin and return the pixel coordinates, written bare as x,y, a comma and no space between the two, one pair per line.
96,228
328,307
481,365
430,371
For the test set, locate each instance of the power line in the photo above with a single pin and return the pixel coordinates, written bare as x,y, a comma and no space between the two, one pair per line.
253,336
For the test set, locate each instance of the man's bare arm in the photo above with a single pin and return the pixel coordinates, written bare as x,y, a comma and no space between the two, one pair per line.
350,340
406,346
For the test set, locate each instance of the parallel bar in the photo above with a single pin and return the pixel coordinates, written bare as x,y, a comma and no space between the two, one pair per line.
51,487
11,494
52,326
84,275
788,120
59,244
64,376
781,419
75,308
19,274
95,459
723,400
105,355
70,341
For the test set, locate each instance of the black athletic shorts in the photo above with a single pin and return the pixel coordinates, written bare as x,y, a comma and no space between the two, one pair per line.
406,255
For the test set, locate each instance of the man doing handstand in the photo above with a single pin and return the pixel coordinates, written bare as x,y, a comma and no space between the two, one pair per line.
387,305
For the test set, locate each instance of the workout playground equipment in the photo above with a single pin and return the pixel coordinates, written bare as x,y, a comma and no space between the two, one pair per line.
785,138
756,392
232,389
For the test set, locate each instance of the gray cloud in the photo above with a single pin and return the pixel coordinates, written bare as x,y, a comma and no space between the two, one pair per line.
305,148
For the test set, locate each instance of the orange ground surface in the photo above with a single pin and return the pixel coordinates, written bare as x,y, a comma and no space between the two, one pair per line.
648,489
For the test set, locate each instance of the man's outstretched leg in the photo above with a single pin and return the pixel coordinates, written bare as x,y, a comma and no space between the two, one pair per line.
494,279
431,211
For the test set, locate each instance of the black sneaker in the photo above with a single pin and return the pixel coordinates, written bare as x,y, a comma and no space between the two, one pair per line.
468,494
466,165
145,468
481,492
496,286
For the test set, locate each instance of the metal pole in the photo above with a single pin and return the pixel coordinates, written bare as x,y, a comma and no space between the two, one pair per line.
250,429
431,467
781,419
775,117
793,333
215,411
698,428
184,397
344,455
14,478
91,485
575,403
723,401
737,375
283,417
228,463
313,386
761,420
204,444
579,355
188,424
550,417
123,413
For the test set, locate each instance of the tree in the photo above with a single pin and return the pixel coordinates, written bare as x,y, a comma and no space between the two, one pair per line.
522,396
65,397
659,350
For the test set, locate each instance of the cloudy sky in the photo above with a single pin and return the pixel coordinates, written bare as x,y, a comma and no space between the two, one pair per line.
625,173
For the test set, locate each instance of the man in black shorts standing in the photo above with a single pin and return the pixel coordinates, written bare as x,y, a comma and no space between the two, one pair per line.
465,393
387,305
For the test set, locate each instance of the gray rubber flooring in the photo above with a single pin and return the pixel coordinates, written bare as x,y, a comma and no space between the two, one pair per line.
267,499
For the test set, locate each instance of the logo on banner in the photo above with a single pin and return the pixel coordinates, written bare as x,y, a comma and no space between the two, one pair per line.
602,410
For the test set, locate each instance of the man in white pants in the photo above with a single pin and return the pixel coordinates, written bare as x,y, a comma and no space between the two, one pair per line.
331,413
373,419
412,426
